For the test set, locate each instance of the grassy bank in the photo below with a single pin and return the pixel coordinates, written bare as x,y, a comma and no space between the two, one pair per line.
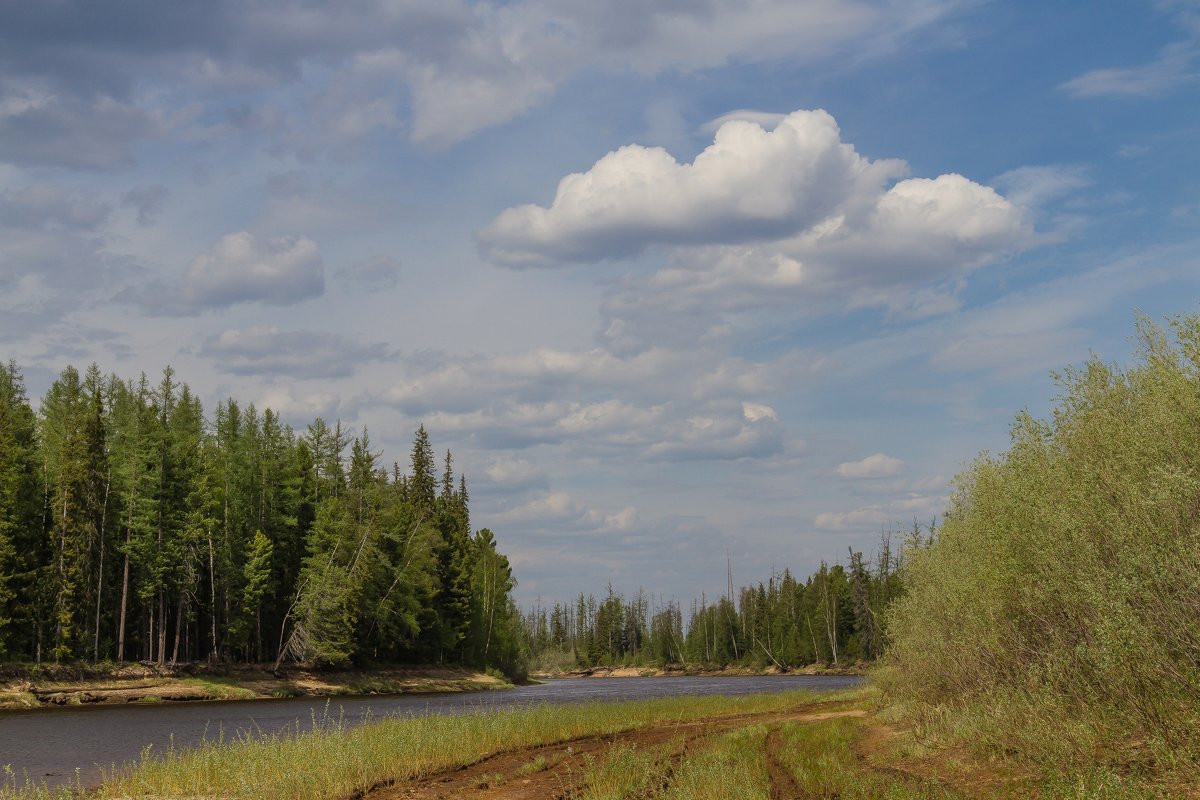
338,762
51,686
792,744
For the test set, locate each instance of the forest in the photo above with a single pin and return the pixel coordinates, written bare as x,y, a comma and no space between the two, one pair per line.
133,526
836,617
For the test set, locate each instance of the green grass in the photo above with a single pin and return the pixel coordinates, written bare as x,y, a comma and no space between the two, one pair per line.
339,761
221,689
820,758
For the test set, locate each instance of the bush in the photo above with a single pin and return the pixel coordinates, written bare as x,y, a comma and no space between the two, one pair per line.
1057,615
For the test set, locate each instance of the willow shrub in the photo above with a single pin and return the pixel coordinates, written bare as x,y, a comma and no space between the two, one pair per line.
1057,615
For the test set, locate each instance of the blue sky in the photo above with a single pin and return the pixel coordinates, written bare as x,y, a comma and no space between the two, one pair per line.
671,280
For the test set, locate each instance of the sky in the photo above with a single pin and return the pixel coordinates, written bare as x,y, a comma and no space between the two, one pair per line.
676,282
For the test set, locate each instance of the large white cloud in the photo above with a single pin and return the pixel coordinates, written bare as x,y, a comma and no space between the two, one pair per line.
750,183
813,209
243,267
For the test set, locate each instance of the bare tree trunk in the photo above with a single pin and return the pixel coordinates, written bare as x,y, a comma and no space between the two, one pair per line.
212,586
178,631
162,627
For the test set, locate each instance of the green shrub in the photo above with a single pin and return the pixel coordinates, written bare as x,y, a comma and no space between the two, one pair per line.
1057,614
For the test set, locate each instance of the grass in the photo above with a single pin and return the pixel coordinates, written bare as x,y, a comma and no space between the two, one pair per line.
820,757
339,761
221,689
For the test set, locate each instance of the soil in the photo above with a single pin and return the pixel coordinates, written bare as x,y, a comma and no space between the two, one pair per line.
511,775
144,683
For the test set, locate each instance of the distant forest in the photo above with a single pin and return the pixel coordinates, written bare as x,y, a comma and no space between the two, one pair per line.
836,617
134,527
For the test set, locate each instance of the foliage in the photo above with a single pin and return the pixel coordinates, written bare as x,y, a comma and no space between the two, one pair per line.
835,617
131,527
1057,614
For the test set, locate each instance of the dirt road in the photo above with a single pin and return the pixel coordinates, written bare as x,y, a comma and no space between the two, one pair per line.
554,771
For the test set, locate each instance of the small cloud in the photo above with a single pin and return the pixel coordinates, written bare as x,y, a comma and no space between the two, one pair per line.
1172,69
512,474
879,465
299,408
755,412
1034,186
242,267
559,511
764,119
266,350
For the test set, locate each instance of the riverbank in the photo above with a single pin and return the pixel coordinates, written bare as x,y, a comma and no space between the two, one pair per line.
50,686
696,671
789,744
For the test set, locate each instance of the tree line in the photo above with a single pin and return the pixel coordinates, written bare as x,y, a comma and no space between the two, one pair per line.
837,616
135,527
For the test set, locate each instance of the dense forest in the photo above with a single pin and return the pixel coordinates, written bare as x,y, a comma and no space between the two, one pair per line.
837,616
135,527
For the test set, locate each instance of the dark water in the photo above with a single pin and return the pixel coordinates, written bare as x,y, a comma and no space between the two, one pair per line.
49,744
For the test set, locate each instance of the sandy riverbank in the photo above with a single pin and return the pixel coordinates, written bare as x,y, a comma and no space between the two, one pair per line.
50,686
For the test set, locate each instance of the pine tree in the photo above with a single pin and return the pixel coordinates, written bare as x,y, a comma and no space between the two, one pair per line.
19,513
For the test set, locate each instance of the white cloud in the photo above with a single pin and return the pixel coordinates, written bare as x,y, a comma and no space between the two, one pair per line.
298,408
1035,186
242,267
266,350
786,219
749,184
559,511
879,465
764,119
1175,67
893,512
509,473
659,404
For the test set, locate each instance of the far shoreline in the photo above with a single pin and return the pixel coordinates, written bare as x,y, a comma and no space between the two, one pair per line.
691,671
31,687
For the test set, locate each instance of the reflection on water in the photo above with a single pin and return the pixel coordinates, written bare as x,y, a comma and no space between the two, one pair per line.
50,744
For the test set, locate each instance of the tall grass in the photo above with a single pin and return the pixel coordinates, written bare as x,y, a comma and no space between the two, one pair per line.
337,761
1057,616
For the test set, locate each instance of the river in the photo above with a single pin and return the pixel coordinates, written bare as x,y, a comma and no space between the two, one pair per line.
50,744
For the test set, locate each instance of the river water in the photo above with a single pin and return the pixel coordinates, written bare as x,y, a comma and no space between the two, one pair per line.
50,744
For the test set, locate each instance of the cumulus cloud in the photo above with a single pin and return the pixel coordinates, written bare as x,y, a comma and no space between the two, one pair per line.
266,350
242,267
779,218
750,183
879,465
